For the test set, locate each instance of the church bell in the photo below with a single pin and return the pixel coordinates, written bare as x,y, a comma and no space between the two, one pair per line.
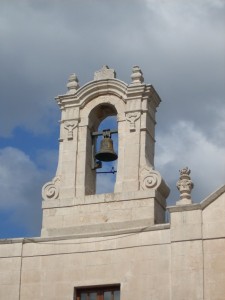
106,152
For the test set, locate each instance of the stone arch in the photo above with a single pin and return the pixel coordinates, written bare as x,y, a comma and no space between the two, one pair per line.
104,100
135,104
92,114
94,89
99,113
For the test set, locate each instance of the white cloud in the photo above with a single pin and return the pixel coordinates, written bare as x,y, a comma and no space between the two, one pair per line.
47,159
17,174
20,186
185,145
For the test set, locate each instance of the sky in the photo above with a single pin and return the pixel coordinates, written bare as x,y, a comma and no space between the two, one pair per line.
178,44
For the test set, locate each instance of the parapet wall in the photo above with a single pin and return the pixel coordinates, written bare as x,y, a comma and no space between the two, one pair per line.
181,260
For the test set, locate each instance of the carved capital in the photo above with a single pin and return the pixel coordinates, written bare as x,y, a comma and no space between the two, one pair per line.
50,190
132,117
69,126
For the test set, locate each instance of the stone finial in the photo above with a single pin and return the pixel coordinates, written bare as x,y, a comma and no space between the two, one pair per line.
137,75
105,73
72,84
185,185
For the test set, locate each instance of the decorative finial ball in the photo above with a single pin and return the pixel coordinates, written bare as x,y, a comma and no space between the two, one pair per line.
72,84
137,75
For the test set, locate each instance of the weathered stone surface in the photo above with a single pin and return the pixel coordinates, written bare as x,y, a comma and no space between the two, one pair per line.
213,216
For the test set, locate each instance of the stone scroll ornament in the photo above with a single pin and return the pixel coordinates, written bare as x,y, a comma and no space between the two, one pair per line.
132,117
50,190
150,179
70,126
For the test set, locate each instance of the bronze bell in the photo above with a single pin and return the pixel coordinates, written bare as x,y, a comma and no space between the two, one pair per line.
106,152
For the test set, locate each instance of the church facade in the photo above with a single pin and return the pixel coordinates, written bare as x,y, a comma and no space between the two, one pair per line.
116,245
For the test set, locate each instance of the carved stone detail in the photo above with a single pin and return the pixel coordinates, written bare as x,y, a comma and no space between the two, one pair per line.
185,186
73,84
69,126
132,117
105,73
150,179
50,190
137,75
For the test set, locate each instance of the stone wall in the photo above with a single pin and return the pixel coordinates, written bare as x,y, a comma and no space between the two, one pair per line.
182,260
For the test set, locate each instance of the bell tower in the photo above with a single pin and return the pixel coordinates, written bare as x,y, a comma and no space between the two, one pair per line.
70,203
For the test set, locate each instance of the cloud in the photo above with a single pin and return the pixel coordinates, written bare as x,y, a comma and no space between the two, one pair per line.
47,160
185,145
20,185
180,46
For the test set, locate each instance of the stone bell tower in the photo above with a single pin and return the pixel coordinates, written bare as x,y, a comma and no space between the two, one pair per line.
70,203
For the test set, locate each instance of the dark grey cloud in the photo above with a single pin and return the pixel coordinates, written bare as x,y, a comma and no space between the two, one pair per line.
178,44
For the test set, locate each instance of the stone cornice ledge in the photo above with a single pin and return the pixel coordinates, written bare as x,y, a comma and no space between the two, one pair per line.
101,230
93,89
99,198
12,240
188,207
86,235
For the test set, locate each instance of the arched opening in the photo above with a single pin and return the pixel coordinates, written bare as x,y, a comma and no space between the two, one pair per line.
103,173
106,176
